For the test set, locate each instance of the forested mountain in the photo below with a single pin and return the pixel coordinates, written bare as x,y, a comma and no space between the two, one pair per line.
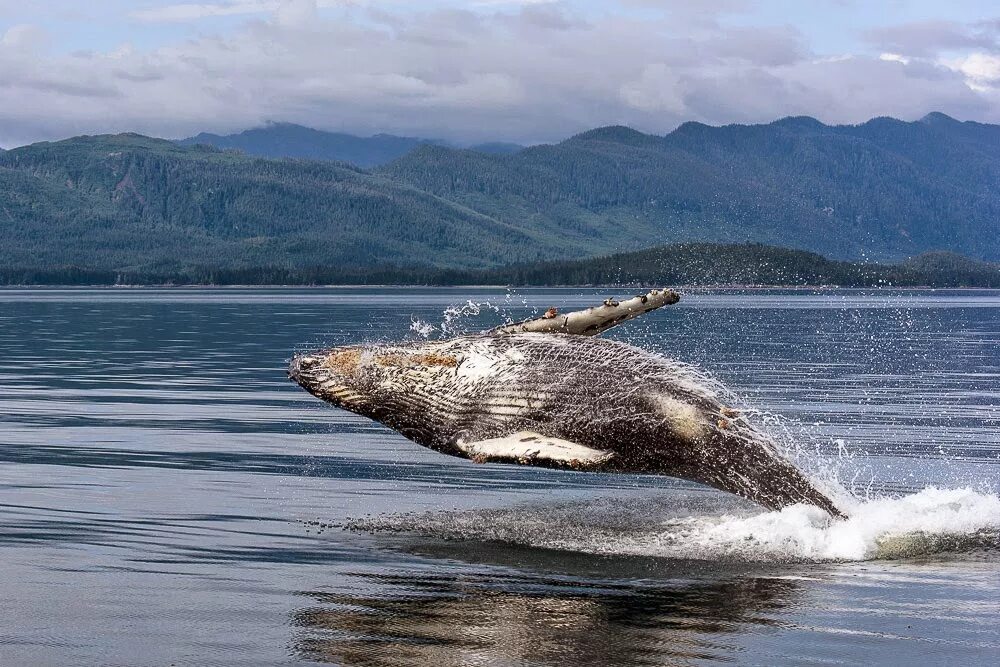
885,189
281,140
688,264
747,264
497,148
133,203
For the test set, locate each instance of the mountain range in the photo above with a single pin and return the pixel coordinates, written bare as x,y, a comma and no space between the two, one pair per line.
287,140
882,190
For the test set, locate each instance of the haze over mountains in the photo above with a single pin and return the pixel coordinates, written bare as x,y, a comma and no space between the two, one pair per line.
882,190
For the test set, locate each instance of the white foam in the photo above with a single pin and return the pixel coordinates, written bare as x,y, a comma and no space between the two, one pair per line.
451,319
421,328
931,520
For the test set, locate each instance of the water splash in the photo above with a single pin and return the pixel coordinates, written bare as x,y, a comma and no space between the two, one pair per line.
462,318
453,321
421,328
932,521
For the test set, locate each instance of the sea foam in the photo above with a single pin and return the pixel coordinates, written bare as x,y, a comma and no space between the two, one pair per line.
932,520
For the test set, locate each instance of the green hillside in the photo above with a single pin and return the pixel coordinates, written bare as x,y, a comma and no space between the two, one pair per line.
881,191
128,202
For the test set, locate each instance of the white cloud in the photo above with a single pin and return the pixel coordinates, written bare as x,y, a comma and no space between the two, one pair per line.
537,72
894,58
658,89
24,37
927,38
981,70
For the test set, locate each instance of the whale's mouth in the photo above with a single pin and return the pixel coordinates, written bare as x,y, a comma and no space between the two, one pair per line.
305,370
299,365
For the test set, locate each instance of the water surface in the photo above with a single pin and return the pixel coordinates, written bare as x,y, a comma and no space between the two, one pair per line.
170,498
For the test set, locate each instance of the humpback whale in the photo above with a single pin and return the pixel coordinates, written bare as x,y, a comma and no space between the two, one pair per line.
547,392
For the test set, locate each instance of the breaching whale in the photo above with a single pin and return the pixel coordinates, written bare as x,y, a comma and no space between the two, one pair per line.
547,392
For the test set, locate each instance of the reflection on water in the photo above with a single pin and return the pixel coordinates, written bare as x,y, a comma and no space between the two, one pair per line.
169,498
516,606
447,620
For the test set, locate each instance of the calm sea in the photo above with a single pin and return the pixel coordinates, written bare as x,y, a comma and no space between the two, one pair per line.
169,498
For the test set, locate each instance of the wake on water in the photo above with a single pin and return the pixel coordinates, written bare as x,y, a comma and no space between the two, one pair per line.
704,526
931,521
928,522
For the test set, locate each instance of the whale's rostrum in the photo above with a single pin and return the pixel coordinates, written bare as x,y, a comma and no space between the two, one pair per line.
532,395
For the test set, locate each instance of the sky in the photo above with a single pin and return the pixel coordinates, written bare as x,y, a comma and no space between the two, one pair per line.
468,71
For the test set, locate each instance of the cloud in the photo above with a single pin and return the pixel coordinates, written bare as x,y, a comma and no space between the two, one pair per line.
530,72
184,12
928,38
894,58
970,51
704,7
287,10
658,89
24,37
981,70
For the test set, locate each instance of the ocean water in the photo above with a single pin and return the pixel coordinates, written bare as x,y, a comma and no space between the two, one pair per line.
169,498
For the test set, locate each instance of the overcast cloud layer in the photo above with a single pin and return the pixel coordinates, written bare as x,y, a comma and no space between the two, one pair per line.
529,71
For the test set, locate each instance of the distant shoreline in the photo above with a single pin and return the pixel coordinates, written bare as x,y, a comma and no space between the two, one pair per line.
691,288
690,264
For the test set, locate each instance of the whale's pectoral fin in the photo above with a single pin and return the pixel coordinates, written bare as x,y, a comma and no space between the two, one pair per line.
593,321
530,448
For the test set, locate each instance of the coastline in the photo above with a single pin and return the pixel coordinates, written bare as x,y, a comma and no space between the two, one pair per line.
404,286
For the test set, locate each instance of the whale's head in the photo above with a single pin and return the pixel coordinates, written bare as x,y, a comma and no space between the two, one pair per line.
378,381
342,375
